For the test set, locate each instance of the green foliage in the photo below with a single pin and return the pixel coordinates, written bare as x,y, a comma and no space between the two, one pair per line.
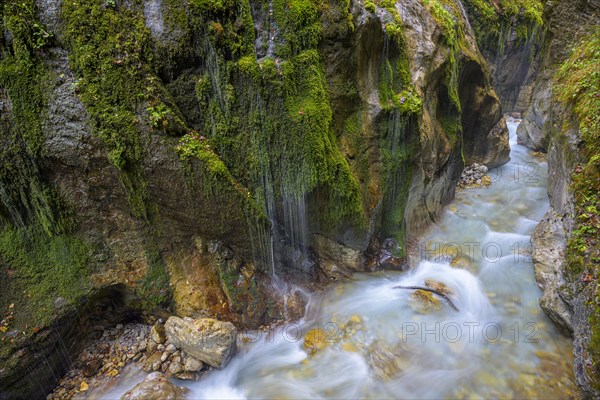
193,145
45,268
578,87
158,116
25,199
396,89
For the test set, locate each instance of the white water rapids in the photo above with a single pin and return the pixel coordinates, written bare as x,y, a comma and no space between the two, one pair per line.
381,342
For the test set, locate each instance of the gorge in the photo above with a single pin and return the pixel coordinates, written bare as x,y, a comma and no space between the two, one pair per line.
288,161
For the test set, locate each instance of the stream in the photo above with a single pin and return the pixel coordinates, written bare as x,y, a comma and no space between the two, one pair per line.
372,340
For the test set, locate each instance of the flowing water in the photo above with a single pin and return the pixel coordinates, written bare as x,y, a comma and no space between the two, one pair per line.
372,340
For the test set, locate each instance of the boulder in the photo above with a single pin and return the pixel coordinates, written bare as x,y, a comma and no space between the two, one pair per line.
155,387
158,332
208,340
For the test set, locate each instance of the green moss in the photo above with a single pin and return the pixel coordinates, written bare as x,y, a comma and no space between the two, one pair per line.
445,20
21,71
396,89
578,87
300,25
228,23
492,19
313,158
110,52
44,268
248,65
272,119
154,289
370,7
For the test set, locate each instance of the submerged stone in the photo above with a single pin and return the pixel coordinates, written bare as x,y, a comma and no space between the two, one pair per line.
315,340
439,286
424,302
155,387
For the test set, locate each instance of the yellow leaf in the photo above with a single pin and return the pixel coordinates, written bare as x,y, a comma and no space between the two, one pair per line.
84,386
12,305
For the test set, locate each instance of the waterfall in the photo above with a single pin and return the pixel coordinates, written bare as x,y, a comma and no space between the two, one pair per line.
273,30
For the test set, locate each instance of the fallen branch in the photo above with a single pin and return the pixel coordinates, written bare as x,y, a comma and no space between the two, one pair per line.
450,302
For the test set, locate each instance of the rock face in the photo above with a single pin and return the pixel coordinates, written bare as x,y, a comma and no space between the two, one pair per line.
210,341
205,156
548,262
566,25
155,387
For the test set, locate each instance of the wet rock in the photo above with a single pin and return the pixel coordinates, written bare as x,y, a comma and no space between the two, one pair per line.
208,340
61,303
176,367
424,302
386,259
337,260
439,286
192,365
151,346
294,305
155,387
549,245
387,361
92,367
171,348
153,362
157,334
315,340
187,376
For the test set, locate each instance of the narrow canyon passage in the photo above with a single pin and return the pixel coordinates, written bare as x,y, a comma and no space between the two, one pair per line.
366,338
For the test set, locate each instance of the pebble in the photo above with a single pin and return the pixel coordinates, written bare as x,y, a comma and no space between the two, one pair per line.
104,358
192,365
171,348
474,175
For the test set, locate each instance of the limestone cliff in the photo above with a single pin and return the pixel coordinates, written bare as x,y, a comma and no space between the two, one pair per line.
193,152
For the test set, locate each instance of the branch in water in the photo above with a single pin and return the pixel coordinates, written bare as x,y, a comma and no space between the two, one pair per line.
432,291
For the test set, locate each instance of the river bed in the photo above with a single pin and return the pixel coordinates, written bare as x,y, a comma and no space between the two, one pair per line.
369,339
